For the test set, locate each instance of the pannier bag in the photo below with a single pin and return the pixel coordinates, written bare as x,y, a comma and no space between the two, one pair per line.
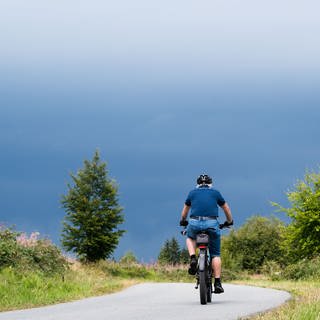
202,238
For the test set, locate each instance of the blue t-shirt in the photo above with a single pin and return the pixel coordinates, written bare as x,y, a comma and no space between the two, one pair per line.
204,201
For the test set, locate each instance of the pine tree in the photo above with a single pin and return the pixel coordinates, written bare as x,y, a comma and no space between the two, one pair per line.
170,252
90,227
184,256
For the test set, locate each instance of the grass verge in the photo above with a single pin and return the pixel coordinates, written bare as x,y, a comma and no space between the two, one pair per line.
20,290
304,305
25,290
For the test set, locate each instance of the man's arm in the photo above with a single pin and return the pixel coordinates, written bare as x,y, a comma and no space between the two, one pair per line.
227,212
185,212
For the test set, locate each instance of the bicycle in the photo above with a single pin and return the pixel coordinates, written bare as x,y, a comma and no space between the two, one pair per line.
204,266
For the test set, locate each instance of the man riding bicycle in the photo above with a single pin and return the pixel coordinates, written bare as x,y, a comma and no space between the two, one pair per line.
204,202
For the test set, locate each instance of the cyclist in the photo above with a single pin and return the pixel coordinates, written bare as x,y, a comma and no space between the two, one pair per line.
204,202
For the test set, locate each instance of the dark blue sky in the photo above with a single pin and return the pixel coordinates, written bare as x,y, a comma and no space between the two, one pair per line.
165,91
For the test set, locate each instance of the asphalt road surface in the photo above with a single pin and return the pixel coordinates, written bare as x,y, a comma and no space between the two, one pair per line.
155,301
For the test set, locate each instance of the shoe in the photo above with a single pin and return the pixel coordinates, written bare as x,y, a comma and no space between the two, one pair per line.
218,288
193,266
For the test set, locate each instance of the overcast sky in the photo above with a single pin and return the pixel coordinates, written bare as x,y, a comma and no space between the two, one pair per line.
165,90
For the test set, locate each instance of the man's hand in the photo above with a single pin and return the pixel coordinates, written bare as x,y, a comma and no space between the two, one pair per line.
226,224
183,222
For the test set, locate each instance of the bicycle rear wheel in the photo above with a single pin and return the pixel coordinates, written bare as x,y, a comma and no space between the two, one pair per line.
203,276
203,287
209,283
209,293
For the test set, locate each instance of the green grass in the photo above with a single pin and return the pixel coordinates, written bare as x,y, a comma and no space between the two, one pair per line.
156,273
25,290
305,302
28,290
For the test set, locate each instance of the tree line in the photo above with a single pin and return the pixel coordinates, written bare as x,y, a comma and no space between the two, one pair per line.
265,240
172,253
93,215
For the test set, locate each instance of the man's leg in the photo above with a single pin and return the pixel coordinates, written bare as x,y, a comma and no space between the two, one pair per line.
216,266
191,245
216,261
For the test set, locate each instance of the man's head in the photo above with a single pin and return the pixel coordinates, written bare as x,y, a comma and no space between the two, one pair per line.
204,179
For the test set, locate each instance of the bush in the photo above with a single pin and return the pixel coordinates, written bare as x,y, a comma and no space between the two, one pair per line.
128,258
254,243
303,269
24,253
272,269
301,238
8,247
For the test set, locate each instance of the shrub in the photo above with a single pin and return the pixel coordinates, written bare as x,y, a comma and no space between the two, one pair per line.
272,269
255,242
301,238
303,269
128,258
8,247
25,253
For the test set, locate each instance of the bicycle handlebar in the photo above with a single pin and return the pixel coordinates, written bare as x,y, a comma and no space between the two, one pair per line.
184,232
223,226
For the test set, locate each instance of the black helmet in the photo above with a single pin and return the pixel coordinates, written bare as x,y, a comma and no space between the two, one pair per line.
204,179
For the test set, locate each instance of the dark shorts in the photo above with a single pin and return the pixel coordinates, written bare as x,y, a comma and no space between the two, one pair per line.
195,226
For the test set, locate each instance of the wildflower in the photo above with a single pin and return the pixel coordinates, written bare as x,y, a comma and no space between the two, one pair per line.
24,241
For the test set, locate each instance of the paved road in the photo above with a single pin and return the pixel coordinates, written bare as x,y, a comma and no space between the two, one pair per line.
170,301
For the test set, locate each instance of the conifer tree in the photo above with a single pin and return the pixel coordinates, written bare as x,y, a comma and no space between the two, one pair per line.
170,252
184,256
90,227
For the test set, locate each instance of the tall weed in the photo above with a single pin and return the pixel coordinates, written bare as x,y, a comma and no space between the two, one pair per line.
29,289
